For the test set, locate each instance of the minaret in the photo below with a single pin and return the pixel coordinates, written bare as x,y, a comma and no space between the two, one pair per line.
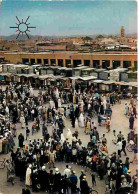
122,32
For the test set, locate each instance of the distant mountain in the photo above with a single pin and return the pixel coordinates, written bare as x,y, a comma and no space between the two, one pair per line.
21,37
35,37
24,37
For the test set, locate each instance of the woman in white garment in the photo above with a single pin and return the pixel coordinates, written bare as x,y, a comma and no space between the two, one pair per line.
22,120
69,135
28,180
81,120
51,103
76,124
81,105
7,110
57,93
59,103
62,139
31,91
104,103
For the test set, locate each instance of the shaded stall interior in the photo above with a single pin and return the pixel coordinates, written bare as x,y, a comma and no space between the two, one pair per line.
87,72
77,70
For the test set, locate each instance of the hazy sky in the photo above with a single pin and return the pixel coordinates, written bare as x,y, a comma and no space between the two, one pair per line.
70,17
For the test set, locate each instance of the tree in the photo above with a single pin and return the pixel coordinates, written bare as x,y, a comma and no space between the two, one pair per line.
100,36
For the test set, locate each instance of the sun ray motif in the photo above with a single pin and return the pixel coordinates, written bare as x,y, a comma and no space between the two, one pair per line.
23,25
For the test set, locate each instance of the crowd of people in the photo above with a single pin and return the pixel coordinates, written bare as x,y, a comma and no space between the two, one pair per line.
34,159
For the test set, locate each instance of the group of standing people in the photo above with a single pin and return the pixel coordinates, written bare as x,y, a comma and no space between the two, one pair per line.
33,159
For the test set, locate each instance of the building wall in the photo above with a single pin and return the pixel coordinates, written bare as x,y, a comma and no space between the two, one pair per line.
17,57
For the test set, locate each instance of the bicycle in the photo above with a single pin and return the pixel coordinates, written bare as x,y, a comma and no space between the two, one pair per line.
130,146
92,191
3,163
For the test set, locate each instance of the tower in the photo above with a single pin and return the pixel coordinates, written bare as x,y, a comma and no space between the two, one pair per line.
122,34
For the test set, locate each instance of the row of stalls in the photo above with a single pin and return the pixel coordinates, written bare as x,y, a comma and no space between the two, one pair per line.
16,69
74,82
119,74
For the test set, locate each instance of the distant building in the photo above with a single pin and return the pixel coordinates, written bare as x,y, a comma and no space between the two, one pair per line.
122,34
40,38
87,40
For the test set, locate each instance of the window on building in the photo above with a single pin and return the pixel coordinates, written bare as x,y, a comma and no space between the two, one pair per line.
86,62
25,61
52,61
96,63
68,62
45,61
32,61
116,64
60,62
105,64
76,63
39,61
126,64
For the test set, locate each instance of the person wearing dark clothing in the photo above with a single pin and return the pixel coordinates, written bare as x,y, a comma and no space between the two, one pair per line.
65,184
73,181
93,180
123,146
43,177
131,122
27,132
77,112
51,180
26,119
128,176
82,175
21,140
35,181
69,153
73,121
102,109
118,177
44,129
84,186
57,181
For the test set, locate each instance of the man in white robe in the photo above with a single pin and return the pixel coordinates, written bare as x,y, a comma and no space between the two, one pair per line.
69,135
22,120
81,120
62,139
28,180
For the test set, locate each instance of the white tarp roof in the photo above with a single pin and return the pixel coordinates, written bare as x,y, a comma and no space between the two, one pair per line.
79,68
108,82
98,81
74,78
87,78
88,69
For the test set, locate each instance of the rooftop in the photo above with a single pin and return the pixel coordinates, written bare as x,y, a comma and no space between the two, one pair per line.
74,52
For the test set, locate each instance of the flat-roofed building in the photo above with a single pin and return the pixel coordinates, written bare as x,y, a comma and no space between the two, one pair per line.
95,59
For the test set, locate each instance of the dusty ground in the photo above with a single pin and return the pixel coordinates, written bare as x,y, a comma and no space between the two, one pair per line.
119,122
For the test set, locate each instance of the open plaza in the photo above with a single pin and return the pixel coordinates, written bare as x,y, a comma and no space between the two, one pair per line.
62,134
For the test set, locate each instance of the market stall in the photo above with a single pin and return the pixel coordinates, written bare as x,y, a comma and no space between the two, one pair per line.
107,86
97,85
87,72
77,70
122,85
